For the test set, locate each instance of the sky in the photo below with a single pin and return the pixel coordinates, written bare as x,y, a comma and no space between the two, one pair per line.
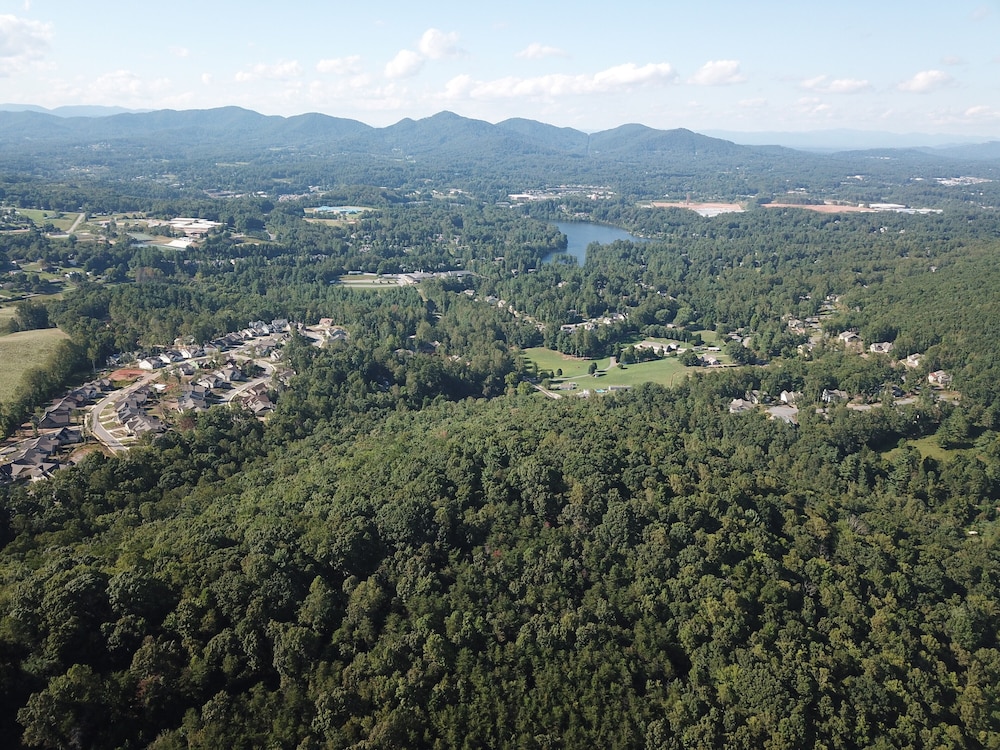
923,66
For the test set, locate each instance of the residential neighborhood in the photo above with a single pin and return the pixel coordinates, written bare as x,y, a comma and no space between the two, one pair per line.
144,396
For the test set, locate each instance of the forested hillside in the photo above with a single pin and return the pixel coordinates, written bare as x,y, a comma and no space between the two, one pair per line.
419,548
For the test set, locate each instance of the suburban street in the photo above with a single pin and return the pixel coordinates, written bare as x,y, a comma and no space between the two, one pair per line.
112,399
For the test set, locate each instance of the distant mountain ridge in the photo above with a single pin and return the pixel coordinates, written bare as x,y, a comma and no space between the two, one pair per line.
78,110
445,133
448,149
561,139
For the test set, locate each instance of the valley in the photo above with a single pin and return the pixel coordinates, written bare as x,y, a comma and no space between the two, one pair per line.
424,471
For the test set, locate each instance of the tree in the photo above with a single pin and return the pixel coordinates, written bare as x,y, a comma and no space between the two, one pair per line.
30,315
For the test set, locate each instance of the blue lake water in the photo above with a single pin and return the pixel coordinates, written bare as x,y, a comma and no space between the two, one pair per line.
579,234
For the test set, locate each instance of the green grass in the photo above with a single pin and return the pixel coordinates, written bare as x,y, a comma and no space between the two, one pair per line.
667,371
6,313
49,217
368,281
20,352
928,448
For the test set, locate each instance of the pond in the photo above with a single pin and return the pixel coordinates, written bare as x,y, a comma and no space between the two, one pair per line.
579,234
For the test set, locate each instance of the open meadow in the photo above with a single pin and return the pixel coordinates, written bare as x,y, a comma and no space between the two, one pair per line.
21,351
61,221
667,371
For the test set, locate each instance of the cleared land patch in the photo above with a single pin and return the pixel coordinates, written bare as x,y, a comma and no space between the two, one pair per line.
666,371
20,352
824,208
704,209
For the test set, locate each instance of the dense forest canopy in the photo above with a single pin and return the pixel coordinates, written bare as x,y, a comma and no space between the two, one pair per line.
419,549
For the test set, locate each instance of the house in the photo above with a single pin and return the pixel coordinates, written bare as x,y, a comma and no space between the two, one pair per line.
913,360
882,347
230,374
259,327
789,414
150,363
33,472
849,338
210,381
66,436
833,396
257,403
739,405
142,423
789,397
57,416
939,378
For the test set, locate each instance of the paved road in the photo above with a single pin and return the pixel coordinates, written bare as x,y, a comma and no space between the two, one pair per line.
79,220
97,429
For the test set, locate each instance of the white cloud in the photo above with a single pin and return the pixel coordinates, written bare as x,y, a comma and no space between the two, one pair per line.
813,107
459,87
180,52
953,60
613,79
980,114
926,81
406,63
340,65
436,45
206,79
536,51
837,86
752,103
280,71
22,42
718,73
125,87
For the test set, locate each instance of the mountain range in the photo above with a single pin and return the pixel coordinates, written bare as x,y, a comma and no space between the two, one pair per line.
825,141
28,127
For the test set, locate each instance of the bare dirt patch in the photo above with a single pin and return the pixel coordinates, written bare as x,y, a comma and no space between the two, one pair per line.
126,374
824,208
705,209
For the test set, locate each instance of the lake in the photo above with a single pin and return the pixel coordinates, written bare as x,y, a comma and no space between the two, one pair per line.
579,234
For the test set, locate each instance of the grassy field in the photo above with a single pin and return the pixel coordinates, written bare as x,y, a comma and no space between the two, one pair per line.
59,221
368,281
6,313
20,352
929,447
666,371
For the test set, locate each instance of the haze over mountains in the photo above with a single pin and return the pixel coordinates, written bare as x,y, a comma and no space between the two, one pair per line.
98,121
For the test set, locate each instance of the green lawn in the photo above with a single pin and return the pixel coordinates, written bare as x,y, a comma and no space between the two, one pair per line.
667,371
20,352
929,447
368,281
63,222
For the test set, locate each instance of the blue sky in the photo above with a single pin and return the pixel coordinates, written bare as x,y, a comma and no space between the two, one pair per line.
919,66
